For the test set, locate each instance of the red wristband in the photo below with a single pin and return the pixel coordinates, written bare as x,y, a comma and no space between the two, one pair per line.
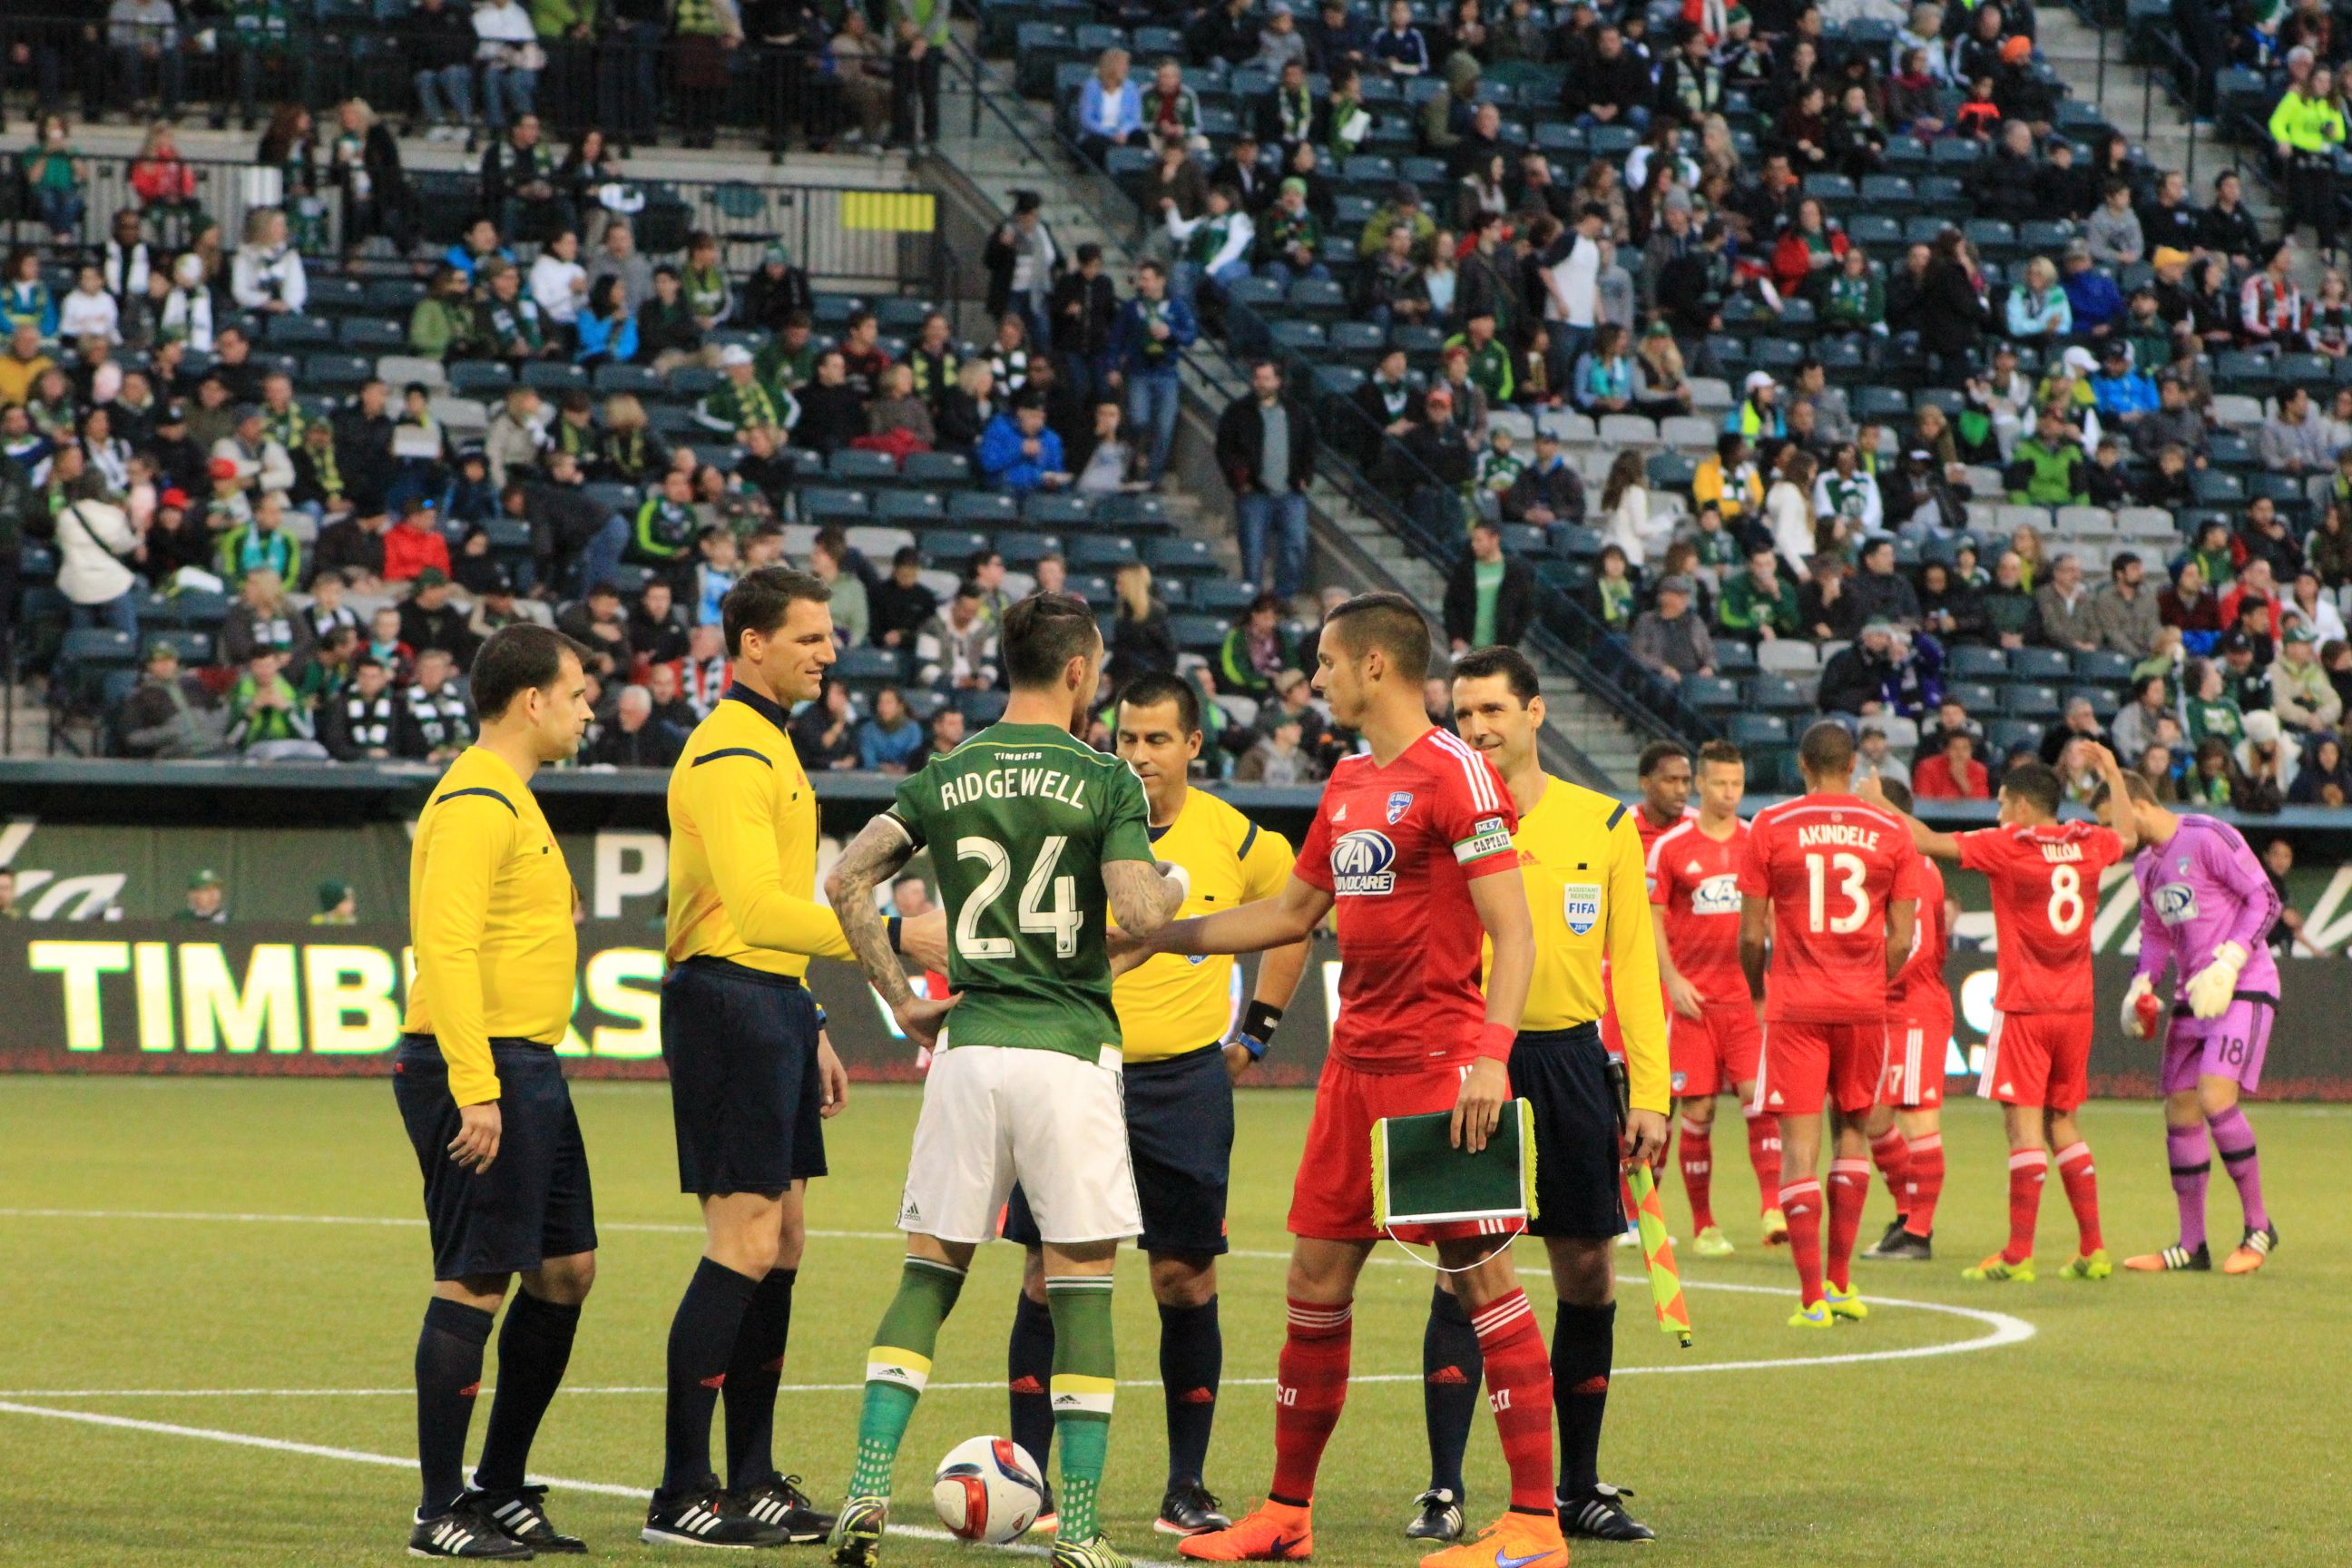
1495,1041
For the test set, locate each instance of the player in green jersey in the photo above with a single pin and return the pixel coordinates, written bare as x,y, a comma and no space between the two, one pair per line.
1033,836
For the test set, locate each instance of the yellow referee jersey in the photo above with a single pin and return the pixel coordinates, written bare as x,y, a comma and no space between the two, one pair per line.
743,845
1581,857
489,914
1171,1003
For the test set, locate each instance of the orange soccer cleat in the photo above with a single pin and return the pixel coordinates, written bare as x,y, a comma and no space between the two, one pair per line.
2253,1252
1277,1533
1515,1540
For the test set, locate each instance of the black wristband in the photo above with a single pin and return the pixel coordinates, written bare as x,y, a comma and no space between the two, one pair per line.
820,1015
891,924
1258,1020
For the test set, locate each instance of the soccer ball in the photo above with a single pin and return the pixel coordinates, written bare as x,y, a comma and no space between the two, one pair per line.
987,1489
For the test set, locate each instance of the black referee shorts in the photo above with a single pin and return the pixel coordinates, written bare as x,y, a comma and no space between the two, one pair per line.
1180,1139
1563,1074
534,1202
743,1091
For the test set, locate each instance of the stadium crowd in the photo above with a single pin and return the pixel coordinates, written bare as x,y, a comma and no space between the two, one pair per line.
1698,308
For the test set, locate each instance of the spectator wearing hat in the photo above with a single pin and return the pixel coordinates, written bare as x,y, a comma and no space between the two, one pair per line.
1670,639
262,464
430,620
268,720
740,400
1018,452
337,905
1023,262
2123,394
170,714
776,291
1290,241
1402,206
2303,697
207,899
360,723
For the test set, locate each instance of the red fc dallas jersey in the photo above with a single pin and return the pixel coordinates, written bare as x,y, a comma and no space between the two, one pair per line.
1652,832
1830,865
1918,994
1695,880
1397,848
2045,890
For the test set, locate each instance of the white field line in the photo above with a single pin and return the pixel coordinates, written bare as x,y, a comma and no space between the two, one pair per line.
393,1461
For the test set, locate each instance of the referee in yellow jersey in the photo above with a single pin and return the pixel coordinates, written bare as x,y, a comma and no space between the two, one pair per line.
491,912
1174,1014
752,1078
1581,857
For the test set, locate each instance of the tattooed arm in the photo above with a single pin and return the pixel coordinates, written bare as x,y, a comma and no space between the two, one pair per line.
1142,900
871,859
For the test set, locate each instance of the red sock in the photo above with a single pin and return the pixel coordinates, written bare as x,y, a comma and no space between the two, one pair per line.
2028,1169
1518,1390
1926,1185
1849,1191
1892,1155
1698,1172
1310,1386
1802,1203
2081,1179
1764,1154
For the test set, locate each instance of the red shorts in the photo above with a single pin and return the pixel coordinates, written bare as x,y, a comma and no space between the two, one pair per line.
1332,1198
1714,1052
1805,1064
2038,1058
1915,1062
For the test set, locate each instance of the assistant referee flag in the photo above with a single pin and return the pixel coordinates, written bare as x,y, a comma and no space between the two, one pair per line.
489,914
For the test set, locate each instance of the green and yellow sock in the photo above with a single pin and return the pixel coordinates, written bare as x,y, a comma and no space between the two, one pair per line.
1084,1385
898,1367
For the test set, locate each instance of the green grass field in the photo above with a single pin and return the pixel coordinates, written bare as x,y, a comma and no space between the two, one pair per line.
156,1267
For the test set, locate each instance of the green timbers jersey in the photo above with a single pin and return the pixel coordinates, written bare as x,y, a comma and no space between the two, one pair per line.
1019,820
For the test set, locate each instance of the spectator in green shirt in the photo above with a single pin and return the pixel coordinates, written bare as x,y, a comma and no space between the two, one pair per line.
2048,467
1758,605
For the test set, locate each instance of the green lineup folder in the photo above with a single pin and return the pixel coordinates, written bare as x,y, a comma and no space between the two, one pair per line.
1419,1177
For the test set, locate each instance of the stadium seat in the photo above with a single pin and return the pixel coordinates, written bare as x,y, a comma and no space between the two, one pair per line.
2013,734
1750,730
1970,661
1101,552
1024,550
1784,655
553,378
1198,633
641,381
824,504
948,469
913,507
2027,700
1778,694
1712,693
1179,556
1042,509
853,466
2041,664
992,507
480,378
867,669
1975,696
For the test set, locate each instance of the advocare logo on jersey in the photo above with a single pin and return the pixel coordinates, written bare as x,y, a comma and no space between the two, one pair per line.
2176,903
1361,864
1717,894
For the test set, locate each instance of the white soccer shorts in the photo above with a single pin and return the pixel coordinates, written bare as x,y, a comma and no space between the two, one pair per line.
993,1115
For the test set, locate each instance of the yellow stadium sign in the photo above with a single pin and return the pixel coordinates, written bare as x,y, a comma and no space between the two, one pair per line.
896,212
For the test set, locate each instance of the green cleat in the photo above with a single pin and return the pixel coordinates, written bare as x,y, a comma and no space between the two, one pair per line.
1815,1316
1712,1242
2091,1266
1095,1553
857,1533
1846,1303
1997,1271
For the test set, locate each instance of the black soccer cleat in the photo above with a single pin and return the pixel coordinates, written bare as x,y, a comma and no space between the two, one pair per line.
1893,1229
1440,1518
705,1518
779,1502
519,1513
466,1531
1902,1247
1597,1515
1190,1508
1049,1519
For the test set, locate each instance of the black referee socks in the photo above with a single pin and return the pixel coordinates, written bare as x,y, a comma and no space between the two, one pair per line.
448,1375
752,1375
534,1347
1191,1360
1583,1341
1028,1371
1450,1369
701,1342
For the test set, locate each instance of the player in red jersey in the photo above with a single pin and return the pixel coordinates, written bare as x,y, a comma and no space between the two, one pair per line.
1905,1127
1412,846
2044,876
1840,883
1694,874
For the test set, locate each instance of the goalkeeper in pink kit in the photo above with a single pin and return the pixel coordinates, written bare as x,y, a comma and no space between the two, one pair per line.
2205,906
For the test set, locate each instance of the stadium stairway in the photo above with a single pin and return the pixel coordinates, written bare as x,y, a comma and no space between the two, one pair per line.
1013,148
2133,98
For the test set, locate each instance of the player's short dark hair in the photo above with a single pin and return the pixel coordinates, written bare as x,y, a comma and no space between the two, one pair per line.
1507,662
2036,784
761,601
1827,749
1042,634
1154,686
1723,752
516,658
1389,621
1897,793
1657,753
